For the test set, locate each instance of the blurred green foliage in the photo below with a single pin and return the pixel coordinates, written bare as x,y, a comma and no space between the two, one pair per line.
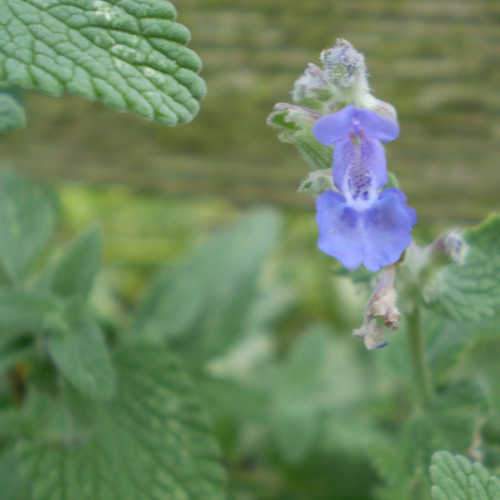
301,409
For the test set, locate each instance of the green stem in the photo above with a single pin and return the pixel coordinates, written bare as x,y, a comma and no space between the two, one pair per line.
417,351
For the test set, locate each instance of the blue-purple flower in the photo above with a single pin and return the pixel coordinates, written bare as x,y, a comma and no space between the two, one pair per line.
361,223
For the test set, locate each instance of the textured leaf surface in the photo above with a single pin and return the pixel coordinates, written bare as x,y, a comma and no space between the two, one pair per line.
471,291
456,478
27,221
150,442
74,272
131,55
202,304
82,356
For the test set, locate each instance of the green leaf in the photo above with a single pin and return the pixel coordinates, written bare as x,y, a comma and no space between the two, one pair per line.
450,423
82,356
12,486
295,434
201,305
75,271
446,342
12,115
481,362
27,220
454,477
25,312
152,441
305,387
471,291
130,55
294,124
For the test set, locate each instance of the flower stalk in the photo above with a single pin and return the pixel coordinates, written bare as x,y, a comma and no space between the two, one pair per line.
421,373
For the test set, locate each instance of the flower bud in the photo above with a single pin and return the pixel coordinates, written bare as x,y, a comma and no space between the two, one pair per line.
312,85
452,245
291,117
345,70
317,182
343,64
294,124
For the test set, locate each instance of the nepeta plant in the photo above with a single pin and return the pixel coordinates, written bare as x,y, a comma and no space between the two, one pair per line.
363,220
97,408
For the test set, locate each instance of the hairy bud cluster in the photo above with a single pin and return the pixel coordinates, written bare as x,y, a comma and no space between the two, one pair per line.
343,65
341,79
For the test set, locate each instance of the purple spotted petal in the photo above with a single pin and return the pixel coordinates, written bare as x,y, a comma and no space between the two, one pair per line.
366,158
375,237
376,126
335,127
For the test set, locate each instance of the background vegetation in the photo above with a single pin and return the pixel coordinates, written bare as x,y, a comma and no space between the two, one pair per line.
435,61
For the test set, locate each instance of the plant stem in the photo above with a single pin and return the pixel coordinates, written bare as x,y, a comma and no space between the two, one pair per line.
417,351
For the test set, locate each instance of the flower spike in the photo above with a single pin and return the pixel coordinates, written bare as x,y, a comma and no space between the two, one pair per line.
361,224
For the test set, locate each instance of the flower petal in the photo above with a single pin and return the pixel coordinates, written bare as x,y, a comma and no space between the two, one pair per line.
376,126
338,227
375,237
386,229
368,155
334,127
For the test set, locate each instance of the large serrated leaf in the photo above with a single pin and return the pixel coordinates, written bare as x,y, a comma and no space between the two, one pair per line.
456,478
130,55
75,270
471,291
151,442
201,305
27,221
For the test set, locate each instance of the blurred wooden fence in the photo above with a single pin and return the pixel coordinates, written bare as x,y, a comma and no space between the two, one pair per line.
437,61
